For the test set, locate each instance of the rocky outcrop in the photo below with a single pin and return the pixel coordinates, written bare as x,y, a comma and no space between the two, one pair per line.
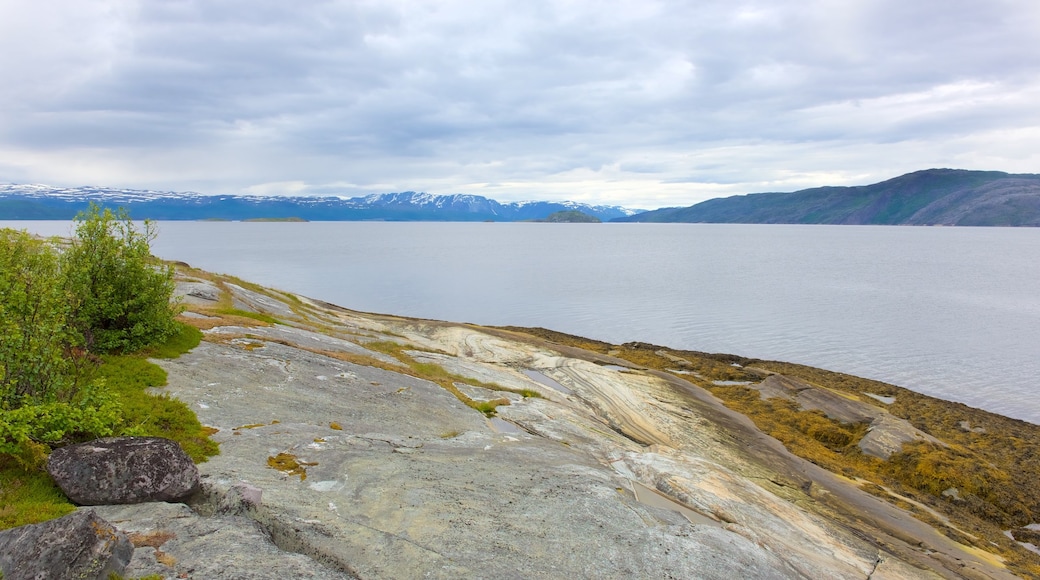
886,434
369,471
122,470
79,545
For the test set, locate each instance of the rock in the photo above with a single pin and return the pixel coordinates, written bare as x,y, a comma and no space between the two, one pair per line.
197,292
173,541
809,397
79,545
405,481
888,433
241,498
121,470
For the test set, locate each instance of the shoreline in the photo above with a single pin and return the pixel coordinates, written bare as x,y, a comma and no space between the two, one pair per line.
993,375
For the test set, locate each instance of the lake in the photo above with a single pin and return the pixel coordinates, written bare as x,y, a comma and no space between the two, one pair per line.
950,312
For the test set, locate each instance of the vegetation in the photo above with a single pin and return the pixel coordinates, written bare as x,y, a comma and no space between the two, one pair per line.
437,374
77,320
120,294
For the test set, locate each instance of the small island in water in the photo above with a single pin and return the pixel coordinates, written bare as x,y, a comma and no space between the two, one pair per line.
570,217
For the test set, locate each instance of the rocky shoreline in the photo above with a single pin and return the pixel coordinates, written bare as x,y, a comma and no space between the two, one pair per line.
342,457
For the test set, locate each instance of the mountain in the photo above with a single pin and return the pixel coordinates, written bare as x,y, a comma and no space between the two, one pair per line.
43,202
953,197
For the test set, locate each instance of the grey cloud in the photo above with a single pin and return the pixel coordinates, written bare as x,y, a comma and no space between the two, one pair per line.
462,93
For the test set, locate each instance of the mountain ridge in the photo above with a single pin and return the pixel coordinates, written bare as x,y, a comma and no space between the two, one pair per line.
954,197
34,201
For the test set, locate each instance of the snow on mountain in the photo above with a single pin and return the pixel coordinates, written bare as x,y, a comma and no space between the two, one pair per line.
36,201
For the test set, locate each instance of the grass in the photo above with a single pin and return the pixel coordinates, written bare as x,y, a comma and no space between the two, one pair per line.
28,498
238,312
446,380
31,496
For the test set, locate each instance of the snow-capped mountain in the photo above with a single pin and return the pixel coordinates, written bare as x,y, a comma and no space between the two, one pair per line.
45,202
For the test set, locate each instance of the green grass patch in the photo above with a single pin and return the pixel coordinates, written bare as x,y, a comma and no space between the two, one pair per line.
29,498
437,374
186,338
128,376
248,314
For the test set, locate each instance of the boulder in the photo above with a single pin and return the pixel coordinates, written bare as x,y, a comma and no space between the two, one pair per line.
79,545
121,470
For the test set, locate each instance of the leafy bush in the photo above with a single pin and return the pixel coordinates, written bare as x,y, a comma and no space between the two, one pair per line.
103,292
35,365
26,432
120,293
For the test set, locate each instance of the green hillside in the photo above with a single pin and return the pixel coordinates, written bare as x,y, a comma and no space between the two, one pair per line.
954,197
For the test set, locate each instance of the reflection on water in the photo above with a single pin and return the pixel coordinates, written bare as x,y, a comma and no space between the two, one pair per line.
547,381
503,426
652,497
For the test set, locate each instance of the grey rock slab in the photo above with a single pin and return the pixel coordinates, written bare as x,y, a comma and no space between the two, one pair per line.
888,433
197,293
809,396
79,545
416,484
382,475
175,542
118,470
258,302
228,388
305,339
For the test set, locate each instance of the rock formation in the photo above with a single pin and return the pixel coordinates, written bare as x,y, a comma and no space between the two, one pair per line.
366,465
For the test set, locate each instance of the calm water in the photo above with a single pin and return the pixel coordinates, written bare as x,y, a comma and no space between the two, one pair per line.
952,312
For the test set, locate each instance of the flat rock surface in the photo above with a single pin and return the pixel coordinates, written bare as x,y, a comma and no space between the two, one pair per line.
378,474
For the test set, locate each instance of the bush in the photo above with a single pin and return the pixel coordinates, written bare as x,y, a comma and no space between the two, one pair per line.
120,293
36,363
103,292
26,432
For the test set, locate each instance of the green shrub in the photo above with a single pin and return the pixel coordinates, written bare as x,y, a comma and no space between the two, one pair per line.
120,293
28,431
35,358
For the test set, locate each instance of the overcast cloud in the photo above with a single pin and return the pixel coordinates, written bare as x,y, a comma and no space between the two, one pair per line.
642,103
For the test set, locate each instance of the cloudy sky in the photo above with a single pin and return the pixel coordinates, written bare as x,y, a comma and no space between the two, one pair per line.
641,103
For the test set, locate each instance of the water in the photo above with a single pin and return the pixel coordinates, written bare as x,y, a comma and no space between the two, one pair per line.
951,312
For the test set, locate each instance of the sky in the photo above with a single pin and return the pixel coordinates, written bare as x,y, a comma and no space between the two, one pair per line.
642,103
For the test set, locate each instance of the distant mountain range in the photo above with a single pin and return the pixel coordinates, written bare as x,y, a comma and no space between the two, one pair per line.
953,197
43,202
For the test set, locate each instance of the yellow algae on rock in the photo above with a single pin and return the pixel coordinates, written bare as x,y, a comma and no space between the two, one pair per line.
288,463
